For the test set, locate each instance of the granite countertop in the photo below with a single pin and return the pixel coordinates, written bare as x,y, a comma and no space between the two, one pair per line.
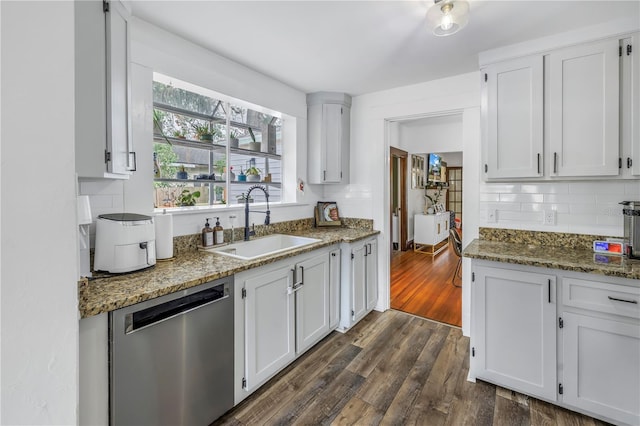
569,259
187,270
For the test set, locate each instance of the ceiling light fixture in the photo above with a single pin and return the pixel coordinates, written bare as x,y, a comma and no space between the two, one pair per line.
447,17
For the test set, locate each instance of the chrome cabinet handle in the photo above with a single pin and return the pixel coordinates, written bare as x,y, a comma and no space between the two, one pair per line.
635,302
555,162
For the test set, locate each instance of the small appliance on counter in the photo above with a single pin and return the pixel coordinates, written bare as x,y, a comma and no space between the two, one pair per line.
125,242
631,215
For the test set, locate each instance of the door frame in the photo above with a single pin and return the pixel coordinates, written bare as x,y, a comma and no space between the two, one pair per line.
402,155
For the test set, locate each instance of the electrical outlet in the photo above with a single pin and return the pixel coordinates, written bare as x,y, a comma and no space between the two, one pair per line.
492,216
549,217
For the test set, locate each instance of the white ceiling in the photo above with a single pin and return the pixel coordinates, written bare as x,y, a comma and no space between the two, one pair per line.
359,47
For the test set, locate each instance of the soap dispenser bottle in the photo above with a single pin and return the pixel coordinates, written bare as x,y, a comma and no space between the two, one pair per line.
219,232
207,235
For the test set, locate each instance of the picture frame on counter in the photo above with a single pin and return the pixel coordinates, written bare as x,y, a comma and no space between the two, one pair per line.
326,214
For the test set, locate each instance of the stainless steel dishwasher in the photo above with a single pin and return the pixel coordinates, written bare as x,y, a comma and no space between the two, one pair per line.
171,358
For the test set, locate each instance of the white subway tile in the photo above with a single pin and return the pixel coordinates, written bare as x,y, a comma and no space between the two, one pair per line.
101,187
528,217
100,202
598,187
499,187
570,198
609,198
489,197
502,206
590,219
522,198
545,188
632,188
539,207
609,220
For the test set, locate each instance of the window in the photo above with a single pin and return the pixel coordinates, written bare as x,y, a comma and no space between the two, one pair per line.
209,151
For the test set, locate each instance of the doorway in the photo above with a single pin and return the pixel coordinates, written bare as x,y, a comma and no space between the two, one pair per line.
398,202
423,283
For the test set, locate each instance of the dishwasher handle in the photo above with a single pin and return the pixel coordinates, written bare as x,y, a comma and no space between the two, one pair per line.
150,316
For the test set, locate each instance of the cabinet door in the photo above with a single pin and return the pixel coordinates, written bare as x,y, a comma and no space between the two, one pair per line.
515,118
514,337
630,105
121,158
424,229
332,143
312,301
583,104
269,322
372,274
334,288
358,283
602,366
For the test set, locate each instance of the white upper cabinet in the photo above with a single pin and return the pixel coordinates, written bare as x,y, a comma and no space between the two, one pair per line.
514,91
328,116
630,105
566,113
102,96
584,110
121,158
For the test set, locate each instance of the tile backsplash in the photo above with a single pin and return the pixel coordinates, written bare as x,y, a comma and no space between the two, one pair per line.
581,207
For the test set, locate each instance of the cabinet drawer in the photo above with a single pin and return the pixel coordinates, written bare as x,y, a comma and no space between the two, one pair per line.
602,297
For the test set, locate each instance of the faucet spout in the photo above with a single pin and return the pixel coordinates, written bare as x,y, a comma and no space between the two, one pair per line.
267,220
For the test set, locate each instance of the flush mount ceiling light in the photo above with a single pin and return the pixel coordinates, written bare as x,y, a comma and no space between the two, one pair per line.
447,17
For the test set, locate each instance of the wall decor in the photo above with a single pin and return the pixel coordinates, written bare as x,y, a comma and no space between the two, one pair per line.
417,171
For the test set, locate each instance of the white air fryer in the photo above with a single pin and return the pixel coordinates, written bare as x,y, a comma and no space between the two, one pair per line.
125,242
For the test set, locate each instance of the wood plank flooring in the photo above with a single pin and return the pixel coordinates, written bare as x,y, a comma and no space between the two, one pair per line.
421,285
391,369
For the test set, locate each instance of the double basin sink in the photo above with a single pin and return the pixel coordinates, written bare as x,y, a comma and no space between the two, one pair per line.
265,246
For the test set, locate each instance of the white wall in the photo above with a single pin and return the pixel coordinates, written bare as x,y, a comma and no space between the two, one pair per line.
155,49
39,312
367,194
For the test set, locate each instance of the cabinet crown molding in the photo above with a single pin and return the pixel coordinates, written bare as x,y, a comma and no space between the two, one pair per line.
328,98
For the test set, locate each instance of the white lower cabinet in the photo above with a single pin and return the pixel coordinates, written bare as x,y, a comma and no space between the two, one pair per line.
359,293
602,366
576,344
281,310
269,324
513,330
312,301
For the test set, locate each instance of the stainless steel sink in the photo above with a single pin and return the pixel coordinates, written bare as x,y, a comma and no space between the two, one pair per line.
265,246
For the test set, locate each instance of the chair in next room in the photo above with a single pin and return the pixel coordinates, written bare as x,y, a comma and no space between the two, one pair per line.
456,242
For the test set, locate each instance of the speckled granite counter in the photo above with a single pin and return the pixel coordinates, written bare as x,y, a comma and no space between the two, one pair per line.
557,257
190,269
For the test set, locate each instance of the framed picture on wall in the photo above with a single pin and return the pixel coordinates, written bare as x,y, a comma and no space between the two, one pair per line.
417,171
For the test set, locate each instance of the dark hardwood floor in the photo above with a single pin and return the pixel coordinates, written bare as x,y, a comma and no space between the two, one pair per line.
392,369
421,285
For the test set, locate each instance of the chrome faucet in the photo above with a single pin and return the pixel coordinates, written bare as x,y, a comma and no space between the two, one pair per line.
267,220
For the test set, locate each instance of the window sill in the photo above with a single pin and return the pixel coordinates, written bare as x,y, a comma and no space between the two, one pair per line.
179,211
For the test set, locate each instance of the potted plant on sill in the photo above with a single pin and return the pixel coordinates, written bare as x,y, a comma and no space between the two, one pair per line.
253,145
253,174
242,198
187,198
233,139
205,132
